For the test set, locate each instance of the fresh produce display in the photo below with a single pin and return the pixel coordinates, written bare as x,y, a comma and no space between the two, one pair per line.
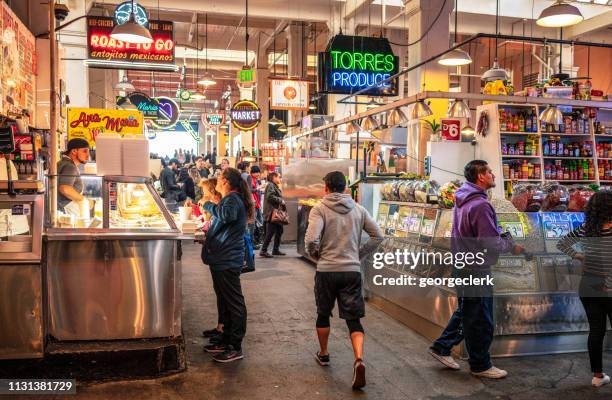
556,197
447,194
527,197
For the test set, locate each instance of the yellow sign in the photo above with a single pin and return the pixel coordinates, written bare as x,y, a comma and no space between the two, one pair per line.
88,123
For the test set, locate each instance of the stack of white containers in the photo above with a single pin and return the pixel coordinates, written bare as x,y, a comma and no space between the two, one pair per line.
135,155
127,156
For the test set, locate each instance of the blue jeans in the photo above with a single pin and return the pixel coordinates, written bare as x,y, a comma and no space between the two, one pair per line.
472,321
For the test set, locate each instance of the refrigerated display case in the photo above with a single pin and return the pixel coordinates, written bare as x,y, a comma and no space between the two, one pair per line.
536,306
112,273
21,311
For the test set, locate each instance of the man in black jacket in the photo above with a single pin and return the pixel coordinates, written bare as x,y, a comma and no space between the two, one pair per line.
171,192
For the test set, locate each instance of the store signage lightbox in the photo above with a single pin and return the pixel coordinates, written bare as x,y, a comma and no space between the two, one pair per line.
245,115
288,94
353,63
124,10
167,113
88,123
213,119
147,105
246,76
101,47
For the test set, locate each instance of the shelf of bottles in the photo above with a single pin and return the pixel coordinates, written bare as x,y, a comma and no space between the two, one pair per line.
577,151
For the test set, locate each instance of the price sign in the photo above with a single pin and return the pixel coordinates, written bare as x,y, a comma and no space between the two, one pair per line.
428,227
515,229
556,230
451,129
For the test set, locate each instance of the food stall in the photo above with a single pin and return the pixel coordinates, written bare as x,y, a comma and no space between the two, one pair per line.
536,306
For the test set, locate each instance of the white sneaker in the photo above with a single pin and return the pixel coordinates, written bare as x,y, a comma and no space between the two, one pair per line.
597,382
448,361
491,373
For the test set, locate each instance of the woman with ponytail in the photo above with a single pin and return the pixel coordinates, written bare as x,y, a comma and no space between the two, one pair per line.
224,251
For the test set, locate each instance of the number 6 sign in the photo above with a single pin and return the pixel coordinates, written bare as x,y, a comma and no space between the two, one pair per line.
451,129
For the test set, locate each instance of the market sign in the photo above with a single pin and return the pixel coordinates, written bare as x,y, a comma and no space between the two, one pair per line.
246,76
353,63
100,45
288,94
213,119
167,113
124,10
451,129
88,123
245,115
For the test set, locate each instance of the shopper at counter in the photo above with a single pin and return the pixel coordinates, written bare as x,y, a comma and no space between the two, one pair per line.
70,185
475,229
595,291
332,238
273,199
171,192
201,167
223,251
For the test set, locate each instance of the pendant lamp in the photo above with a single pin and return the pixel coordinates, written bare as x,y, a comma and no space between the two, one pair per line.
275,121
396,117
552,115
207,79
352,128
124,85
131,31
459,109
420,110
369,124
559,15
455,57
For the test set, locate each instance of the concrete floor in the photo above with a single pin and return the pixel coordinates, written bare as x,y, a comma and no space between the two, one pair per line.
281,342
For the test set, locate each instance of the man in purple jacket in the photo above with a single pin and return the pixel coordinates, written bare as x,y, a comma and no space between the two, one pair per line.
475,230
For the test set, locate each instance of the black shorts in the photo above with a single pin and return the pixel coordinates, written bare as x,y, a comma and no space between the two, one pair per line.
343,286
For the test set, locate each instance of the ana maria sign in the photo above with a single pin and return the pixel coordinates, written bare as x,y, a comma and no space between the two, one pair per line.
353,63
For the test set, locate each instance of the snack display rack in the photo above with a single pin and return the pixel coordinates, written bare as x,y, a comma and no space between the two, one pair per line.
521,148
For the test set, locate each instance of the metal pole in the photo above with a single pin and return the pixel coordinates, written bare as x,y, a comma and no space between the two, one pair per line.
53,115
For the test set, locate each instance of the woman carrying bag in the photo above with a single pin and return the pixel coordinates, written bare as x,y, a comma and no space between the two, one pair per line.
275,216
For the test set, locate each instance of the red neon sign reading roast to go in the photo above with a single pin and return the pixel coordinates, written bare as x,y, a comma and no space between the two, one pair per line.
101,46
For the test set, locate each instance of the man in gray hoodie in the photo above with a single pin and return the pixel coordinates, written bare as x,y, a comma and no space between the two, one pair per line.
333,238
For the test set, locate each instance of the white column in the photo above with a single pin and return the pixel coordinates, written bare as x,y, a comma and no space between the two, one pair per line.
262,93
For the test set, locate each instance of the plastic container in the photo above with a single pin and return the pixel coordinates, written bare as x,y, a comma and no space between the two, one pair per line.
135,155
108,154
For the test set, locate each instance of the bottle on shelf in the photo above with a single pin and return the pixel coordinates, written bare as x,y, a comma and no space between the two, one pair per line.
502,120
521,122
529,122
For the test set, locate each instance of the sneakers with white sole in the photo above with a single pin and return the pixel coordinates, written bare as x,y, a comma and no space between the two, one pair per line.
597,382
448,361
491,373
359,379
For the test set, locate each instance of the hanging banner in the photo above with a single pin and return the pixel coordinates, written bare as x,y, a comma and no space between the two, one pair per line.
88,123
213,119
451,129
245,115
353,63
287,94
18,65
100,46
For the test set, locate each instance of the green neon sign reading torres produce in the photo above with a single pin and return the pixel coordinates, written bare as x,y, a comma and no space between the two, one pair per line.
363,61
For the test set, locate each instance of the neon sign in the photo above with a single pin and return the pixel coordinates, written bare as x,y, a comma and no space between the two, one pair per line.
353,63
100,45
245,115
124,10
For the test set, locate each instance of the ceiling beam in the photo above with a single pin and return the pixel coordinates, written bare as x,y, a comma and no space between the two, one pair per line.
600,21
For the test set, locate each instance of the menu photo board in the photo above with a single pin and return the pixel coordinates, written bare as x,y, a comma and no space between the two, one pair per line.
392,219
18,65
289,94
88,123
414,222
101,47
381,218
401,228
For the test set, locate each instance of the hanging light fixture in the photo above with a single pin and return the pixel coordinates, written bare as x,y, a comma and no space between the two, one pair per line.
352,128
283,128
312,106
210,132
198,96
552,115
369,124
459,109
396,117
131,31
457,56
207,79
559,15
468,130
420,110
275,121
124,85
495,73
372,104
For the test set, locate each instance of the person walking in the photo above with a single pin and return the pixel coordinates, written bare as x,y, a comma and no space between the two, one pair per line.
254,227
474,230
333,239
595,290
223,251
273,199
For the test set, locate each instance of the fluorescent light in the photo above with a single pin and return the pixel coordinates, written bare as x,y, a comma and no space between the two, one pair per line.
455,57
559,15
132,32
131,65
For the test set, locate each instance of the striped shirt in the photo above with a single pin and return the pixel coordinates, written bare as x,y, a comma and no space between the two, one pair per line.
596,252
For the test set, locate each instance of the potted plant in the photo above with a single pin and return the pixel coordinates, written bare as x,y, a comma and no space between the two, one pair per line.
434,126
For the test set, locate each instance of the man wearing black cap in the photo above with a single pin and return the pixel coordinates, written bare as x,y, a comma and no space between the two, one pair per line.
70,185
333,238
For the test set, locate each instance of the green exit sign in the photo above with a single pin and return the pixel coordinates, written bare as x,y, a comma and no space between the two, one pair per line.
246,76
